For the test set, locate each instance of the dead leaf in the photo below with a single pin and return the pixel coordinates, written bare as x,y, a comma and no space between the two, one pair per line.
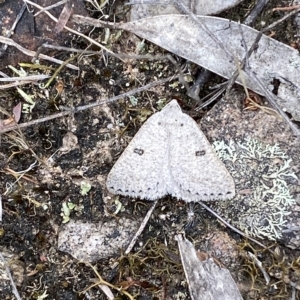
206,279
199,7
10,121
17,112
64,17
272,61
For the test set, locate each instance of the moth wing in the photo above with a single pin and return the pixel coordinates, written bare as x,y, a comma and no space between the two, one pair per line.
139,172
196,171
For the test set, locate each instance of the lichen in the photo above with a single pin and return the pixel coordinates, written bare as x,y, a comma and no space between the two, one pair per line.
261,173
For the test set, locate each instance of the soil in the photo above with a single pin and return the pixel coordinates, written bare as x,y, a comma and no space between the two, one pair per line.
40,169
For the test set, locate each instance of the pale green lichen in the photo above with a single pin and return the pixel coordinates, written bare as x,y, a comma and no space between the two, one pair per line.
263,171
85,187
225,152
66,209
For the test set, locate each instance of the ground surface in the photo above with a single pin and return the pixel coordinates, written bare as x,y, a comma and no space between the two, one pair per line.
42,168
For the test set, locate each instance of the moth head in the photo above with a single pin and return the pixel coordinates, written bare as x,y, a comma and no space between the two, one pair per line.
172,113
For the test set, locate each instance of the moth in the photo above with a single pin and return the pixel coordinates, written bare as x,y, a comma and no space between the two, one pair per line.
170,155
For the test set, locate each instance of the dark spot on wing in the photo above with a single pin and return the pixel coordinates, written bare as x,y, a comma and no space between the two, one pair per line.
138,151
228,193
200,152
181,124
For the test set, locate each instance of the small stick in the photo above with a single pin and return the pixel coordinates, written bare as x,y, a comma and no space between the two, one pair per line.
281,20
27,78
57,71
10,32
88,106
1,208
270,98
286,8
260,266
267,93
255,12
141,229
14,288
51,6
11,42
13,84
68,28
230,226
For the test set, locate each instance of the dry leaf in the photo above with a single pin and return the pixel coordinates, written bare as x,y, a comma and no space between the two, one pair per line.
271,61
206,279
14,119
64,17
199,7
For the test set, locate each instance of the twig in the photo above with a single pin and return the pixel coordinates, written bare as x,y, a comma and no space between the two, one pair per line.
19,80
50,7
14,84
286,8
260,266
198,85
11,42
88,106
10,32
27,78
273,102
94,22
1,208
230,226
18,18
141,229
259,6
57,71
281,20
212,96
14,288
18,176
267,93
103,282
68,28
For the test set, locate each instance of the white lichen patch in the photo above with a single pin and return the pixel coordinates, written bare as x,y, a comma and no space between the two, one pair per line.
264,173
